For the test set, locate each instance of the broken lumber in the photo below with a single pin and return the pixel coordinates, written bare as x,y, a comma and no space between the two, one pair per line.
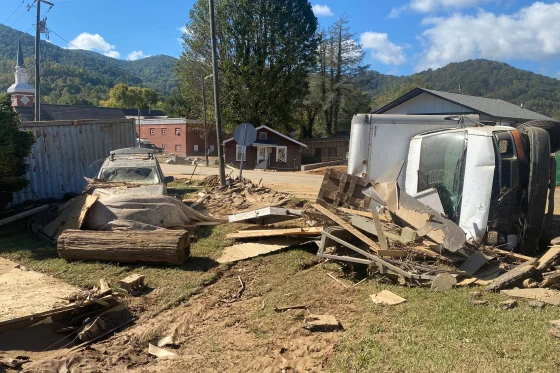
550,258
348,227
364,214
547,296
386,297
253,233
161,246
133,283
72,215
267,215
513,255
321,323
513,277
24,214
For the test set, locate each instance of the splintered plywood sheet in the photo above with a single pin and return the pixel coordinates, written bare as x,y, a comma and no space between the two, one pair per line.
386,297
24,292
547,296
71,216
252,249
267,215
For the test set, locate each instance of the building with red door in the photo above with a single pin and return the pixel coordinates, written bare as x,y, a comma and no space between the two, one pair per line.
178,135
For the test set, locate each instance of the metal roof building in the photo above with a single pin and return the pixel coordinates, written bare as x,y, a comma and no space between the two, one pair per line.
428,101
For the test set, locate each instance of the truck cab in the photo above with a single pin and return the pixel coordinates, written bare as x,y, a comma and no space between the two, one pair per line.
492,181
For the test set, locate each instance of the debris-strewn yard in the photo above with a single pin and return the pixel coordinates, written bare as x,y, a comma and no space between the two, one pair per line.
430,332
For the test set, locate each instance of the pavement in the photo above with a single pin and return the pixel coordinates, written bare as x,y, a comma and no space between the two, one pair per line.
300,184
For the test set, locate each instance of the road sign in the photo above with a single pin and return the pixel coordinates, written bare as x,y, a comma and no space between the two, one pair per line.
245,134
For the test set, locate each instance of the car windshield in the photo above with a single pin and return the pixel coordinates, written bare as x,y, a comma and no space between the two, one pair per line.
139,175
442,167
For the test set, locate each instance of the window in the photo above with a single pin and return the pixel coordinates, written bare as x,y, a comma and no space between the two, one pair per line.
177,148
152,131
281,152
211,148
442,167
195,131
263,135
196,148
178,131
163,147
238,152
164,131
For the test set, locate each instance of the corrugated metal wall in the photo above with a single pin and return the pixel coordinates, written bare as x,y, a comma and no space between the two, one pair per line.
65,152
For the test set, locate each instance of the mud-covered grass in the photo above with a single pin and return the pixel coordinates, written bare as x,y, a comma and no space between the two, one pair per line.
173,283
431,332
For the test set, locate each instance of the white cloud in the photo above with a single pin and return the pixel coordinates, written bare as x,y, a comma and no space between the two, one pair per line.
429,6
382,49
136,55
322,10
395,12
426,6
528,34
94,42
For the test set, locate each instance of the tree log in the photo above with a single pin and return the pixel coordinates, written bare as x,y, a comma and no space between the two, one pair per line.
160,246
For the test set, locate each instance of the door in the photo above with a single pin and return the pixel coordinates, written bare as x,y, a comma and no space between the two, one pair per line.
261,154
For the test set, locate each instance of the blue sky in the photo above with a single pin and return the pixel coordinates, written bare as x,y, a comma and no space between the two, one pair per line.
400,37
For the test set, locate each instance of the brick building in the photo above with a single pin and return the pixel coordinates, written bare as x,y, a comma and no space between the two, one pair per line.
271,150
178,135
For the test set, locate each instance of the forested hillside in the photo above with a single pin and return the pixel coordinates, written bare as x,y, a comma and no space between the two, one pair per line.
81,77
479,78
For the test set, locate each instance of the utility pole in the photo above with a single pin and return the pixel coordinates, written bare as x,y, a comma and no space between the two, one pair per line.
203,78
38,32
217,96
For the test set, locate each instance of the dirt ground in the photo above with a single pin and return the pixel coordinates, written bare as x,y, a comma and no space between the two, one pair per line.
39,291
300,184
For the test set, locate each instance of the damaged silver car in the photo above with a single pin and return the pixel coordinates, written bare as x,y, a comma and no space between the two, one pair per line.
135,168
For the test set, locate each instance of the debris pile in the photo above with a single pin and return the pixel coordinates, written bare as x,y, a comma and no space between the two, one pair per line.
402,239
236,196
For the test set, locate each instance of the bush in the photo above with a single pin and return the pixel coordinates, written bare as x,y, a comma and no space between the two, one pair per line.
15,145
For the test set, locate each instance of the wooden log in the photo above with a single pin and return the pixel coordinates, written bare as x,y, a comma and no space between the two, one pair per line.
513,277
161,246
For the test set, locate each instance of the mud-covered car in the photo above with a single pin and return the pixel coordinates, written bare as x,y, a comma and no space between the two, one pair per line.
132,171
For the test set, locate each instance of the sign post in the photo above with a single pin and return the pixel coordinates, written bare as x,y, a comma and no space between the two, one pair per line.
244,134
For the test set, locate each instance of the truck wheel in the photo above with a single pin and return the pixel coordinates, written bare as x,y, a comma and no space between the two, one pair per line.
539,169
552,127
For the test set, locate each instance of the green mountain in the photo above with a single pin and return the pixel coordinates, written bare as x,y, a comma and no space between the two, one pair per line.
478,78
81,77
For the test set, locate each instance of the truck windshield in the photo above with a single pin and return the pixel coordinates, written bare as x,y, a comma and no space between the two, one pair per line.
139,175
442,167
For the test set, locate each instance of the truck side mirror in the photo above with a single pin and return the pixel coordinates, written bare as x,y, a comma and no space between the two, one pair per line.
168,179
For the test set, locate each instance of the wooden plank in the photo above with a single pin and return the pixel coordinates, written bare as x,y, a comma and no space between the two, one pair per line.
312,231
348,227
266,215
24,214
550,258
512,277
513,255
365,214
379,229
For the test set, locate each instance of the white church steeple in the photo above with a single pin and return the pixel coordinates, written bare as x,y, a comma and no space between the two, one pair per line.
22,92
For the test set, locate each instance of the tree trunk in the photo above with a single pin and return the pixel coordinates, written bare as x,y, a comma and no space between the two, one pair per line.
160,246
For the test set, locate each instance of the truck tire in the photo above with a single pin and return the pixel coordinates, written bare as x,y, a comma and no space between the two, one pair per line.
539,175
552,127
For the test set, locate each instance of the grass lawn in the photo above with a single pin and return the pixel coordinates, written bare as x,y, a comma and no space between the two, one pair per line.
174,284
431,332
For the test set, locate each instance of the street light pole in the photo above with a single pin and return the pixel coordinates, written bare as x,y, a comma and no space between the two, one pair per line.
217,96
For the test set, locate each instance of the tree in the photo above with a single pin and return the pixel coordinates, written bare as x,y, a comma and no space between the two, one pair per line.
15,145
398,90
123,96
266,50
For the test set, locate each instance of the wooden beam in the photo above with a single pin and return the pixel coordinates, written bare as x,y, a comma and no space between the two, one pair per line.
24,214
313,231
365,214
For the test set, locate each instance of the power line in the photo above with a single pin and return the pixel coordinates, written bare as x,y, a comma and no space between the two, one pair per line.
11,14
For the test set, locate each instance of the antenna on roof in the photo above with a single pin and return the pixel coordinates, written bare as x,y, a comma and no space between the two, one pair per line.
521,105
459,88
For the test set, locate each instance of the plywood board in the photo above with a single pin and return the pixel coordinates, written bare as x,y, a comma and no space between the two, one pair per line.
265,215
253,249
387,297
547,296
312,231
71,216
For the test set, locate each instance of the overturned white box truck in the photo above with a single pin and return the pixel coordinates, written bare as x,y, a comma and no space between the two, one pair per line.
493,181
